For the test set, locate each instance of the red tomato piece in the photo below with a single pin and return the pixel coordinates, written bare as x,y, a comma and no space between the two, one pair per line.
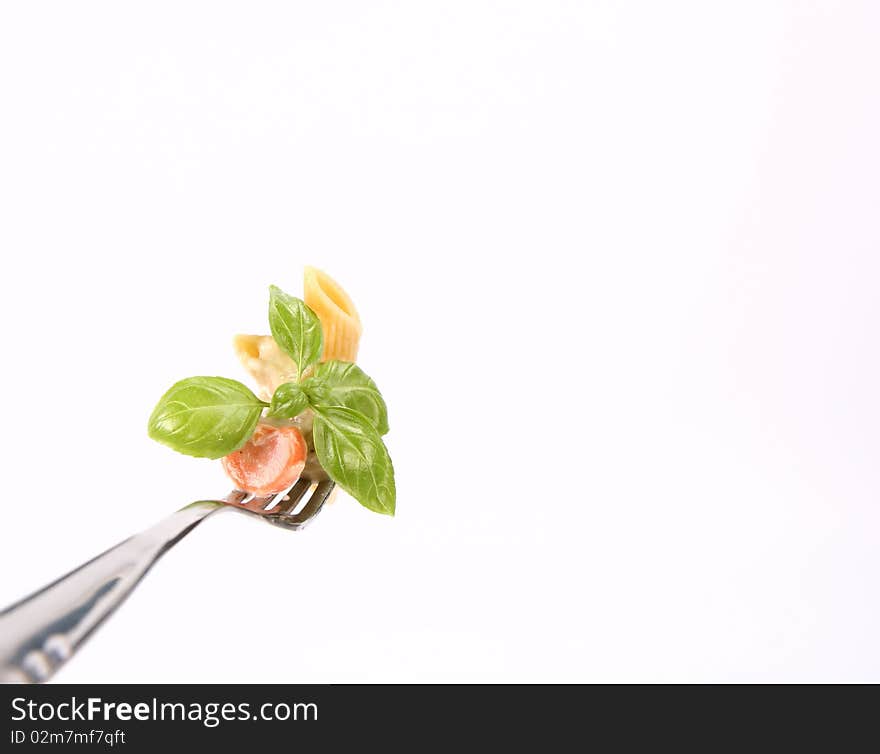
270,462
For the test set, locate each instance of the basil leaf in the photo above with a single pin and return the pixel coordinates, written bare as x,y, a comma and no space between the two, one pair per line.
351,451
317,392
206,417
296,329
341,383
288,401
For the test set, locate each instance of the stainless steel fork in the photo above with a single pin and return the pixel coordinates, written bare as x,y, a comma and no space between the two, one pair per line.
41,632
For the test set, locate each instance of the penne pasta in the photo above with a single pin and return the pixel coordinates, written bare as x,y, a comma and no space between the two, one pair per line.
340,323
339,319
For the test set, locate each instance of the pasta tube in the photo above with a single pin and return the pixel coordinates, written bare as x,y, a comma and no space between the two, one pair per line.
339,319
340,323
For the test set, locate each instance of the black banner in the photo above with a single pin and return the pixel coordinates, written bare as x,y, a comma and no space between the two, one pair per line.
278,717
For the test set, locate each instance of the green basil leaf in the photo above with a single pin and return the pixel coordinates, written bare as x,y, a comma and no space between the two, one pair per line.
351,451
206,417
316,391
289,400
296,328
341,383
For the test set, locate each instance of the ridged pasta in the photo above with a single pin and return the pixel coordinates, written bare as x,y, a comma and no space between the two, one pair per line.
340,323
339,319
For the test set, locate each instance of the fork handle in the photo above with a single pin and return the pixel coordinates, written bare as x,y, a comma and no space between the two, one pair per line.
41,632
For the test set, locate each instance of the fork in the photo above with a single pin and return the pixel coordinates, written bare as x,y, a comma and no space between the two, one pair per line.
41,632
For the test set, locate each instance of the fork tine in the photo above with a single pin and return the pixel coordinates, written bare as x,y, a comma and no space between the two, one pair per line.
278,509
290,500
257,504
311,509
237,497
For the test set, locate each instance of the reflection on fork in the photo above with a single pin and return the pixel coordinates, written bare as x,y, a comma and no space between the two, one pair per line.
284,509
41,632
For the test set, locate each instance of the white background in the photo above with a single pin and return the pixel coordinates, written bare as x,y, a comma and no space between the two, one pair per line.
618,267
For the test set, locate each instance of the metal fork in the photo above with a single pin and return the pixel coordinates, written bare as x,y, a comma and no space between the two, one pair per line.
41,632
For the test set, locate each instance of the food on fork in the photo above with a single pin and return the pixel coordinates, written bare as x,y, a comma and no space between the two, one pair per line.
315,413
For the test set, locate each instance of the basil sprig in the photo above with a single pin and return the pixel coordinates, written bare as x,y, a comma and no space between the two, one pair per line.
210,417
296,329
341,383
351,451
206,417
289,400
